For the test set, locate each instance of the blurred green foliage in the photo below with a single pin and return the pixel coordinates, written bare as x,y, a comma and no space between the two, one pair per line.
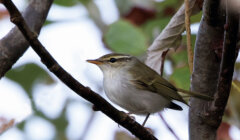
28,75
167,8
67,3
181,77
196,18
154,27
123,37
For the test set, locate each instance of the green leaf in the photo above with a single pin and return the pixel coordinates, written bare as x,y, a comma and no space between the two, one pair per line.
193,39
66,3
85,2
123,37
21,125
154,27
28,75
48,22
123,6
166,3
181,77
168,7
180,57
196,18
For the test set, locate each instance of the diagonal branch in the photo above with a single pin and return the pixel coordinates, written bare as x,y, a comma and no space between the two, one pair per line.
13,45
119,117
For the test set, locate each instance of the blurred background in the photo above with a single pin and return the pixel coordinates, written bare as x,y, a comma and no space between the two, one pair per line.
35,105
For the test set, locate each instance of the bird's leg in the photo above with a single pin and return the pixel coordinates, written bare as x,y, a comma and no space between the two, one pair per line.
144,122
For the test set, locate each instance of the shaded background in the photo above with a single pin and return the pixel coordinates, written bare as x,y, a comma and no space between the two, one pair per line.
76,30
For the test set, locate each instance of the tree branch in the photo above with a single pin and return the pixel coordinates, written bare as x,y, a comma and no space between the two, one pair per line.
204,116
13,45
205,69
229,55
119,117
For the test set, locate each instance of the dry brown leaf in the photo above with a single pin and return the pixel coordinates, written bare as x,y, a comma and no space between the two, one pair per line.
170,37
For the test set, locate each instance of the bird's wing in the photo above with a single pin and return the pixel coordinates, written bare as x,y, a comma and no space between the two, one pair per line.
159,86
147,79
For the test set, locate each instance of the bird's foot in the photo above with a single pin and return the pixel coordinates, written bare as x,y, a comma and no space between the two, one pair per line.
149,130
131,116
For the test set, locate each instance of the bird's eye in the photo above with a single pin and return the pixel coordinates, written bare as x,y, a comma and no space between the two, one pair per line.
112,60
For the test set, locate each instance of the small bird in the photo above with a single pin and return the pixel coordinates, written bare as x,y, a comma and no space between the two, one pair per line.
137,88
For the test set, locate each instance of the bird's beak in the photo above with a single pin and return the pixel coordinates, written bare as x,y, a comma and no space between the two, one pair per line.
96,61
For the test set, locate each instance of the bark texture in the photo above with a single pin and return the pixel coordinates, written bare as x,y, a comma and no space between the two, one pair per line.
210,75
13,45
205,70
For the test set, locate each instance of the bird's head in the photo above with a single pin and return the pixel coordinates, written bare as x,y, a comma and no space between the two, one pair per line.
113,62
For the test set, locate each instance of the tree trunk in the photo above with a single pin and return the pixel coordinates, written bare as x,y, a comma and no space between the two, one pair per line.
209,76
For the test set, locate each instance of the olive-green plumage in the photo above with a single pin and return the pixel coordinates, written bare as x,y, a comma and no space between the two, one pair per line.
136,87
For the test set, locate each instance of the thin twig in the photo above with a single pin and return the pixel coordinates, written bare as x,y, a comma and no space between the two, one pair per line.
119,117
160,113
168,126
188,31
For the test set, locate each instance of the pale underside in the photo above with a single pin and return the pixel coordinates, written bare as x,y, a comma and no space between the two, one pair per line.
120,91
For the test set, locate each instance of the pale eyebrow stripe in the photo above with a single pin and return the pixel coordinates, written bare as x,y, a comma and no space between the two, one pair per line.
117,57
120,57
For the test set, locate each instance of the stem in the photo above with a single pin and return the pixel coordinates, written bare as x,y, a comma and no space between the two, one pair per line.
188,30
168,126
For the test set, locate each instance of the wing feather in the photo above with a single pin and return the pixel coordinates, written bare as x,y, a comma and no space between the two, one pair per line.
152,81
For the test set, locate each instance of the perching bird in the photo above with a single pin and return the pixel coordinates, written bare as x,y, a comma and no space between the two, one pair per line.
137,88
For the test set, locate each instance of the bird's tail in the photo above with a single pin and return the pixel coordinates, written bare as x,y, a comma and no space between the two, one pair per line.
195,94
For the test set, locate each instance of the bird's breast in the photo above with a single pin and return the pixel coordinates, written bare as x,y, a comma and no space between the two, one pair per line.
120,91
115,86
